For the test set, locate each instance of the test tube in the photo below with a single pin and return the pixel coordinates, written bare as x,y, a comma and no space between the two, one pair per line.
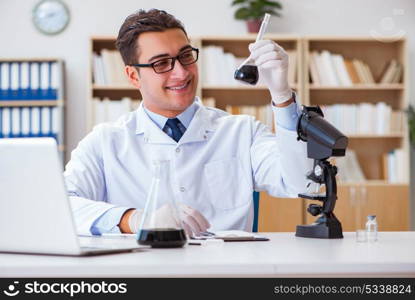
259,36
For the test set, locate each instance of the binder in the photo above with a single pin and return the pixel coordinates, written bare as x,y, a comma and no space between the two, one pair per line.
34,80
44,80
54,80
15,122
45,122
25,121
1,122
55,122
6,124
5,81
24,80
35,122
14,81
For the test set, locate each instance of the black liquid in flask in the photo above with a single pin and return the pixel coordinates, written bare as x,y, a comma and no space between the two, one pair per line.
161,226
247,73
162,237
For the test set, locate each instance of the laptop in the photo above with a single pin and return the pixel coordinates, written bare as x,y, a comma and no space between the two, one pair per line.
35,212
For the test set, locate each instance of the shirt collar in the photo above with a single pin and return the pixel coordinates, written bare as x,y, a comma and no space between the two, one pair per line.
199,129
185,117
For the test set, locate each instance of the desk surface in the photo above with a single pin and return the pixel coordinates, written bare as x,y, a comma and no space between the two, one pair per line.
284,256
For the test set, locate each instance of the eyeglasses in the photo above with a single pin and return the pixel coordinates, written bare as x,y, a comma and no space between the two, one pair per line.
164,65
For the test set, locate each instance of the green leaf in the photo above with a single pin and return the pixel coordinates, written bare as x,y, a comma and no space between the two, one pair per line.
235,2
243,13
255,9
272,3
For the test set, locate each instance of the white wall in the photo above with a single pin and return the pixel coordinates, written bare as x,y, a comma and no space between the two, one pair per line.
19,38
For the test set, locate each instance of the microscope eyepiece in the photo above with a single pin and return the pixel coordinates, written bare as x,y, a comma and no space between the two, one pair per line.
323,139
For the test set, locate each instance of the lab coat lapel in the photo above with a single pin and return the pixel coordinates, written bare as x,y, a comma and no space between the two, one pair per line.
199,127
152,133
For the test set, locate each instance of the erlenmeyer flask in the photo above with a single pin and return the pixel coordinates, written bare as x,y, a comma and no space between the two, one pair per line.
247,73
161,226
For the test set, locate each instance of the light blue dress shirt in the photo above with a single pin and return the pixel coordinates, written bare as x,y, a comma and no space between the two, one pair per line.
108,222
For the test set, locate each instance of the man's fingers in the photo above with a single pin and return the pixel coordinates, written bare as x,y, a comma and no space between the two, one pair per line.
272,64
270,56
199,218
194,225
259,44
187,229
263,50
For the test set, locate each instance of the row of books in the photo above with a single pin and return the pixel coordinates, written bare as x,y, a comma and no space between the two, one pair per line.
392,72
262,113
106,110
334,70
349,169
218,67
108,69
364,118
395,166
29,122
29,80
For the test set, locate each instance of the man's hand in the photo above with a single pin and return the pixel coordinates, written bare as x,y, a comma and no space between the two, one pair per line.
272,62
193,221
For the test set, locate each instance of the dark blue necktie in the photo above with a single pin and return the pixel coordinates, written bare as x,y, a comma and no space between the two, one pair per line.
174,124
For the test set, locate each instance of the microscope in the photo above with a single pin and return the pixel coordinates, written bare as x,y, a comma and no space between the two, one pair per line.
323,141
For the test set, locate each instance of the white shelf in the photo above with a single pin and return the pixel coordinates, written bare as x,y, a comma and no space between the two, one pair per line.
19,103
398,86
376,136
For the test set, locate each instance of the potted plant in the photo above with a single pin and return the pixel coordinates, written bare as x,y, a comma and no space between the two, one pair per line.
252,11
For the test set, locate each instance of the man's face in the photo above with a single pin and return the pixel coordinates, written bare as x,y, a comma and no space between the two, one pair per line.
168,93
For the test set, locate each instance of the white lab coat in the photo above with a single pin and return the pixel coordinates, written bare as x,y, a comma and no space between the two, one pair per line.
216,165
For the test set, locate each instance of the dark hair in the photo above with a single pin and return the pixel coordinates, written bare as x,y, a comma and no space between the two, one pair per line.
139,22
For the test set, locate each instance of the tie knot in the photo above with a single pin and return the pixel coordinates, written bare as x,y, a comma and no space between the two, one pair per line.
173,122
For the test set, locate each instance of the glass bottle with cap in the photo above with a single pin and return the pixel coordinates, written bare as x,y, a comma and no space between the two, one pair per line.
371,228
161,226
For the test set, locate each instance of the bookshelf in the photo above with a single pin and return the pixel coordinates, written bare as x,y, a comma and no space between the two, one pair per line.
283,214
32,99
376,195
100,91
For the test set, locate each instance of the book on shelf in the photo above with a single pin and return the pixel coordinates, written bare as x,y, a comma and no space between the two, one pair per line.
218,67
395,166
29,122
364,118
29,80
209,101
348,168
108,69
392,72
331,69
262,113
107,110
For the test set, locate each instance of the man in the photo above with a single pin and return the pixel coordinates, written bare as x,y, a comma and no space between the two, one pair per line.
217,159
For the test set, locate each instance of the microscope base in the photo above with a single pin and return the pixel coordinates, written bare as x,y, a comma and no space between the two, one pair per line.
326,230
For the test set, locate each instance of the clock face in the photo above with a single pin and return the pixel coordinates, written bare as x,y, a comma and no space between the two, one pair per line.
51,16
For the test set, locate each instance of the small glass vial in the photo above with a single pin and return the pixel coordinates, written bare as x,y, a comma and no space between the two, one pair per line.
372,228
